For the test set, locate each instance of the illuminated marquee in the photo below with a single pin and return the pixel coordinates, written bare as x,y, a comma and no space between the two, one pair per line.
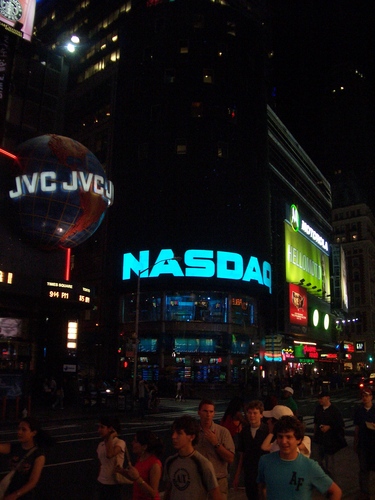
302,226
47,182
63,290
199,264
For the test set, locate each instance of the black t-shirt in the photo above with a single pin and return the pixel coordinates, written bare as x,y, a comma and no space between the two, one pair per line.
22,476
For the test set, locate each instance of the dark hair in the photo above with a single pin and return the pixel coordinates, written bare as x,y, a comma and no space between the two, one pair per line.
152,441
256,404
189,425
235,405
42,437
111,422
289,423
206,402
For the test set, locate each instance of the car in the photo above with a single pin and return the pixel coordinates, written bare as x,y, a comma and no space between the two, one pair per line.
367,382
354,379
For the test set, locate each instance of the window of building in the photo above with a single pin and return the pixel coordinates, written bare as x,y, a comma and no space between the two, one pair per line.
198,22
222,49
181,147
196,109
169,76
222,150
184,47
354,236
143,151
208,76
231,28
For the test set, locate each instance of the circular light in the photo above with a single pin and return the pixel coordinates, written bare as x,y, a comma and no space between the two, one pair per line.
326,321
70,47
316,317
75,39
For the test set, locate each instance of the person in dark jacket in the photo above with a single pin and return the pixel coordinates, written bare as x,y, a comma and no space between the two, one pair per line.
329,432
364,440
250,440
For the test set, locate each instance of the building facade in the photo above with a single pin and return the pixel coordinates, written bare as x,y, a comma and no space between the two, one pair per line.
198,262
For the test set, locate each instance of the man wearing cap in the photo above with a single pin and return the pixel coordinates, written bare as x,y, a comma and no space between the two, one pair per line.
364,436
287,400
270,443
250,440
329,432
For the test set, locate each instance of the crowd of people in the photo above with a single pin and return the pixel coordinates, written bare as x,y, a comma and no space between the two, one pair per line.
267,449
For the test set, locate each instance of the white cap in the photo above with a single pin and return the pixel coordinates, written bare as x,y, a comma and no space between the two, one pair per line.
288,389
278,411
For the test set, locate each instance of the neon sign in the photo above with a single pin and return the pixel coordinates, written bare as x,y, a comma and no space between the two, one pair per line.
300,225
47,182
199,264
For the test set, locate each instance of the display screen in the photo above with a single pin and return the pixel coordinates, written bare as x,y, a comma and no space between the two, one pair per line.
17,16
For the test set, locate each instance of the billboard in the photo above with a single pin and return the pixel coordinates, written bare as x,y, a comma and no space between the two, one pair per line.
297,305
17,16
306,263
10,327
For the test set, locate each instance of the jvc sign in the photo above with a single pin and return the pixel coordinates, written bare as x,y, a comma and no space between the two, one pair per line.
199,264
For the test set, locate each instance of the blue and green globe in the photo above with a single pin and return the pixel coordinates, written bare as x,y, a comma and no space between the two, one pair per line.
61,191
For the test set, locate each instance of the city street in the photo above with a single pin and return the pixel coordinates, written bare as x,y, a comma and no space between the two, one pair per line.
72,467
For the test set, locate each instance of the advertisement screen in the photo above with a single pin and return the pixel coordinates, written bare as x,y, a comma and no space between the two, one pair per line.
17,16
297,305
10,327
304,261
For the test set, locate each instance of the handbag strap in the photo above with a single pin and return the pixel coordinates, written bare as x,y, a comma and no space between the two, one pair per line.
24,458
127,454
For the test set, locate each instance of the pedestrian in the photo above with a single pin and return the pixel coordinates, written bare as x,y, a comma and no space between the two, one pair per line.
329,432
188,474
287,399
215,443
364,440
142,388
178,391
146,473
111,452
270,443
287,474
234,418
27,458
250,440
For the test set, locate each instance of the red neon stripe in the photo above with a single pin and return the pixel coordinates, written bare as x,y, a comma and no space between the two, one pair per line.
67,264
6,153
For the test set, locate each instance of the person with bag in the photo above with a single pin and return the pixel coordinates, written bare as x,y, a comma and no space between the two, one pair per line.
111,452
27,460
146,473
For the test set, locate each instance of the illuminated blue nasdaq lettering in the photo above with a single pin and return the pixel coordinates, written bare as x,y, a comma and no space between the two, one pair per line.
226,271
199,264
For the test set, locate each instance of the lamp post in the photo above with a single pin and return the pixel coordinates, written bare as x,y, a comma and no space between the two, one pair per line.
136,327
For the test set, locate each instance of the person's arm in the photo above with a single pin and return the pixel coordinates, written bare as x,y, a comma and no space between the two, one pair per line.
266,445
5,448
112,449
226,455
151,489
262,492
215,494
167,492
236,478
334,492
356,437
32,482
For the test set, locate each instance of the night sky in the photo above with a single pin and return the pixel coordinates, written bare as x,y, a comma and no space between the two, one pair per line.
322,79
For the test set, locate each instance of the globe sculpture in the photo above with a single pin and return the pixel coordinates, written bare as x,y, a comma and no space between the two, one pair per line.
61,191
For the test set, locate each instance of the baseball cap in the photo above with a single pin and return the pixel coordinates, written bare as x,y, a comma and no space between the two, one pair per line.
288,389
277,412
367,391
322,394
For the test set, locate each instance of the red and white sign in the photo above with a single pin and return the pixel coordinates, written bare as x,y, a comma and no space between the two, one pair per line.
297,305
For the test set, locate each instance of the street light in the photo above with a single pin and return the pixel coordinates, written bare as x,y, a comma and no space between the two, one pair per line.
136,328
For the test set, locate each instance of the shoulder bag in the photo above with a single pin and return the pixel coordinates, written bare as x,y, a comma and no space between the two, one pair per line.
5,482
120,478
